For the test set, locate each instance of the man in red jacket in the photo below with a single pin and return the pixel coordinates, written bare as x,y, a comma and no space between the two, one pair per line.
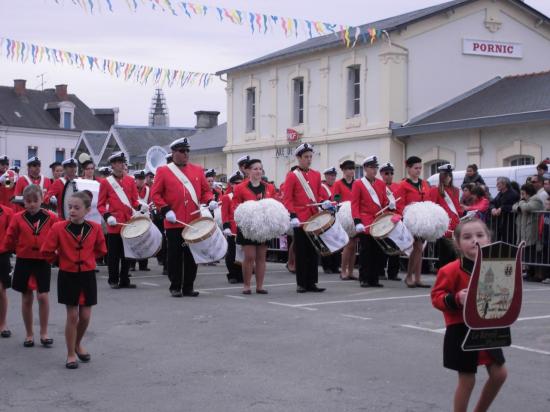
56,193
118,199
302,188
368,198
179,189
7,182
386,172
33,178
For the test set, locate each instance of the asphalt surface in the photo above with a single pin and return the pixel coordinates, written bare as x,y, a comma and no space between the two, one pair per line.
348,349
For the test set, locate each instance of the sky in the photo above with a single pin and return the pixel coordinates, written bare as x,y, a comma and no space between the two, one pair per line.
163,40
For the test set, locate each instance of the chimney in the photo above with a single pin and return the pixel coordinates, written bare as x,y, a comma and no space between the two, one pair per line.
61,91
19,86
206,119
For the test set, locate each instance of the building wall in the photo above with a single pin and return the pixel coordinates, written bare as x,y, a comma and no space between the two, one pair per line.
211,161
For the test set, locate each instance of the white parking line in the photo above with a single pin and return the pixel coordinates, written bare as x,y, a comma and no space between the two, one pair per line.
150,284
356,317
235,297
542,352
533,318
291,306
268,286
424,329
333,302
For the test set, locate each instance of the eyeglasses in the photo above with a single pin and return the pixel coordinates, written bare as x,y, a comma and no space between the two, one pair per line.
182,150
90,168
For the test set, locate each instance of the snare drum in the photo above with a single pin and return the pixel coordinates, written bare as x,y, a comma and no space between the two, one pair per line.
327,235
205,240
141,238
93,187
393,238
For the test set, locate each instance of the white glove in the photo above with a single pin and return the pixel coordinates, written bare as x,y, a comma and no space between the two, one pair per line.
326,205
359,228
171,216
227,232
294,222
111,221
392,205
3,178
53,200
144,209
213,205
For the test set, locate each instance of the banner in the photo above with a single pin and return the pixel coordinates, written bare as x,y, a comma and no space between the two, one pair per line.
258,23
23,52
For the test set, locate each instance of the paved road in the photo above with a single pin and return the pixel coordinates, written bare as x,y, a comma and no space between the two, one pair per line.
348,349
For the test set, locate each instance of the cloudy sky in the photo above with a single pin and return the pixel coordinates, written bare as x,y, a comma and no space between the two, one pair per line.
163,40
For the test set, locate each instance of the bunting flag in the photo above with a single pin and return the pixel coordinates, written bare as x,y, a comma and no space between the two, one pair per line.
257,23
19,51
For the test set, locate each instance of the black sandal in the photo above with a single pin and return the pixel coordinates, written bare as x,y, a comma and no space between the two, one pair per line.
247,292
28,343
71,365
46,342
6,333
261,292
84,357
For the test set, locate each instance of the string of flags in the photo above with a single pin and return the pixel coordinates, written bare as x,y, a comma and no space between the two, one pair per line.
258,23
23,52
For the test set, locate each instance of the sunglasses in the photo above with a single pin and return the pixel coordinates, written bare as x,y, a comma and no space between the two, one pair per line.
182,150
387,173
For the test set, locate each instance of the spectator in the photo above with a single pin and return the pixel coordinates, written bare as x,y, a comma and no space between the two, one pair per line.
544,237
480,203
538,182
467,199
542,168
501,211
527,223
547,183
472,176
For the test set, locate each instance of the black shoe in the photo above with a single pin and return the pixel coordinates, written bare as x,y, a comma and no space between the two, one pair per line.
46,342
261,292
192,293
364,284
176,293
5,333
84,357
314,288
71,365
328,271
233,281
113,285
301,289
144,270
28,343
397,279
376,285
126,286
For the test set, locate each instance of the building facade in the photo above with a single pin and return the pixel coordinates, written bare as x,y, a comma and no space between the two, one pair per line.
343,100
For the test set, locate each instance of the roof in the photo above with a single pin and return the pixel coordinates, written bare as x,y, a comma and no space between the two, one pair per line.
508,100
95,141
209,140
389,24
28,110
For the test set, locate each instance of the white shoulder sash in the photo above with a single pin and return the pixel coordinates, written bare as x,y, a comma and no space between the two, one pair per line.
371,191
390,195
450,203
145,198
327,189
119,191
184,181
29,181
305,185
230,195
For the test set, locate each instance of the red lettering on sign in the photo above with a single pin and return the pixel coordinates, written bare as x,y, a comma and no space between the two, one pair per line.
476,46
510,49
491,48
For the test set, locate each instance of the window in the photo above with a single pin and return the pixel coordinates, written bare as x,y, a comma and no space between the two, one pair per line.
358,172
250,109
59,155
17,163
354,90
433,166
520,161
67,120
32,151
298,101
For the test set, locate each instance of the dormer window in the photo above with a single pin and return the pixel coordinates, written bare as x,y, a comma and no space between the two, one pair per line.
66,115
67,120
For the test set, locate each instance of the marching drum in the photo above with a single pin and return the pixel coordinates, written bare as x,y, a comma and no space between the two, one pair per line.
327,235
93,187
141,238
393,238
205,240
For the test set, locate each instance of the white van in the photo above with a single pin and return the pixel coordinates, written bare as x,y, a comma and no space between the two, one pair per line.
514,173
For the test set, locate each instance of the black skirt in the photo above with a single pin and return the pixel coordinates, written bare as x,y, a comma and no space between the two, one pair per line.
241,240
464,361
24,268
75,289
5,269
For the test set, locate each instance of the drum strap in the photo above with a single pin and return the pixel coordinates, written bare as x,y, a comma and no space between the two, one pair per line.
371,191
30,182
327,189
145,198
305,185
450,203
63,180
119,191
230,195
184,181
390,195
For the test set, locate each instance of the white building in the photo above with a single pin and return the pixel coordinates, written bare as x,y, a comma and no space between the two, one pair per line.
343,100
45,123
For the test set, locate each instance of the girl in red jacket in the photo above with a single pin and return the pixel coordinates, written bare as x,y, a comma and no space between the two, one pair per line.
448,295
76,243
27,231
6,215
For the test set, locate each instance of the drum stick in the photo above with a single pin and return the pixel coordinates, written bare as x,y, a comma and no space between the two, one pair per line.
320,204
383,209
124,224
184,224
204,206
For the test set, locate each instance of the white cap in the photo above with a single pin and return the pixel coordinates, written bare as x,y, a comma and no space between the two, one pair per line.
304,147
371,161
181,142
210,173
447,168
330,170
243,159
33,159
387,166
69,162
117,156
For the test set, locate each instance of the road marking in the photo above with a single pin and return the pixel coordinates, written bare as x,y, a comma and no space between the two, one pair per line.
291,306
534,318
441,331
334,302
234,297
356,317
267,286
537,290
150,284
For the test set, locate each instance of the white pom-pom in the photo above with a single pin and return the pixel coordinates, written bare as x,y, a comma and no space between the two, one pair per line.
345,218
262,220
426,220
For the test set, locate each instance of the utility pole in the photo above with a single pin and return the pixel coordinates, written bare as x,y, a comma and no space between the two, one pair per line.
41,84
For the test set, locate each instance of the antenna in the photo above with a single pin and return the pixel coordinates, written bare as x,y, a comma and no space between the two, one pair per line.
41,84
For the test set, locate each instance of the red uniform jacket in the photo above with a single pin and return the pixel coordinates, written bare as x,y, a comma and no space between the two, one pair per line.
340,188
410,194
25,238
144,194
6,215
327,189
453,193
109,203
228,210
5,193
242,193
451,279
363,207
393,187
217,193
168,193
75,253
22,183
295,198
